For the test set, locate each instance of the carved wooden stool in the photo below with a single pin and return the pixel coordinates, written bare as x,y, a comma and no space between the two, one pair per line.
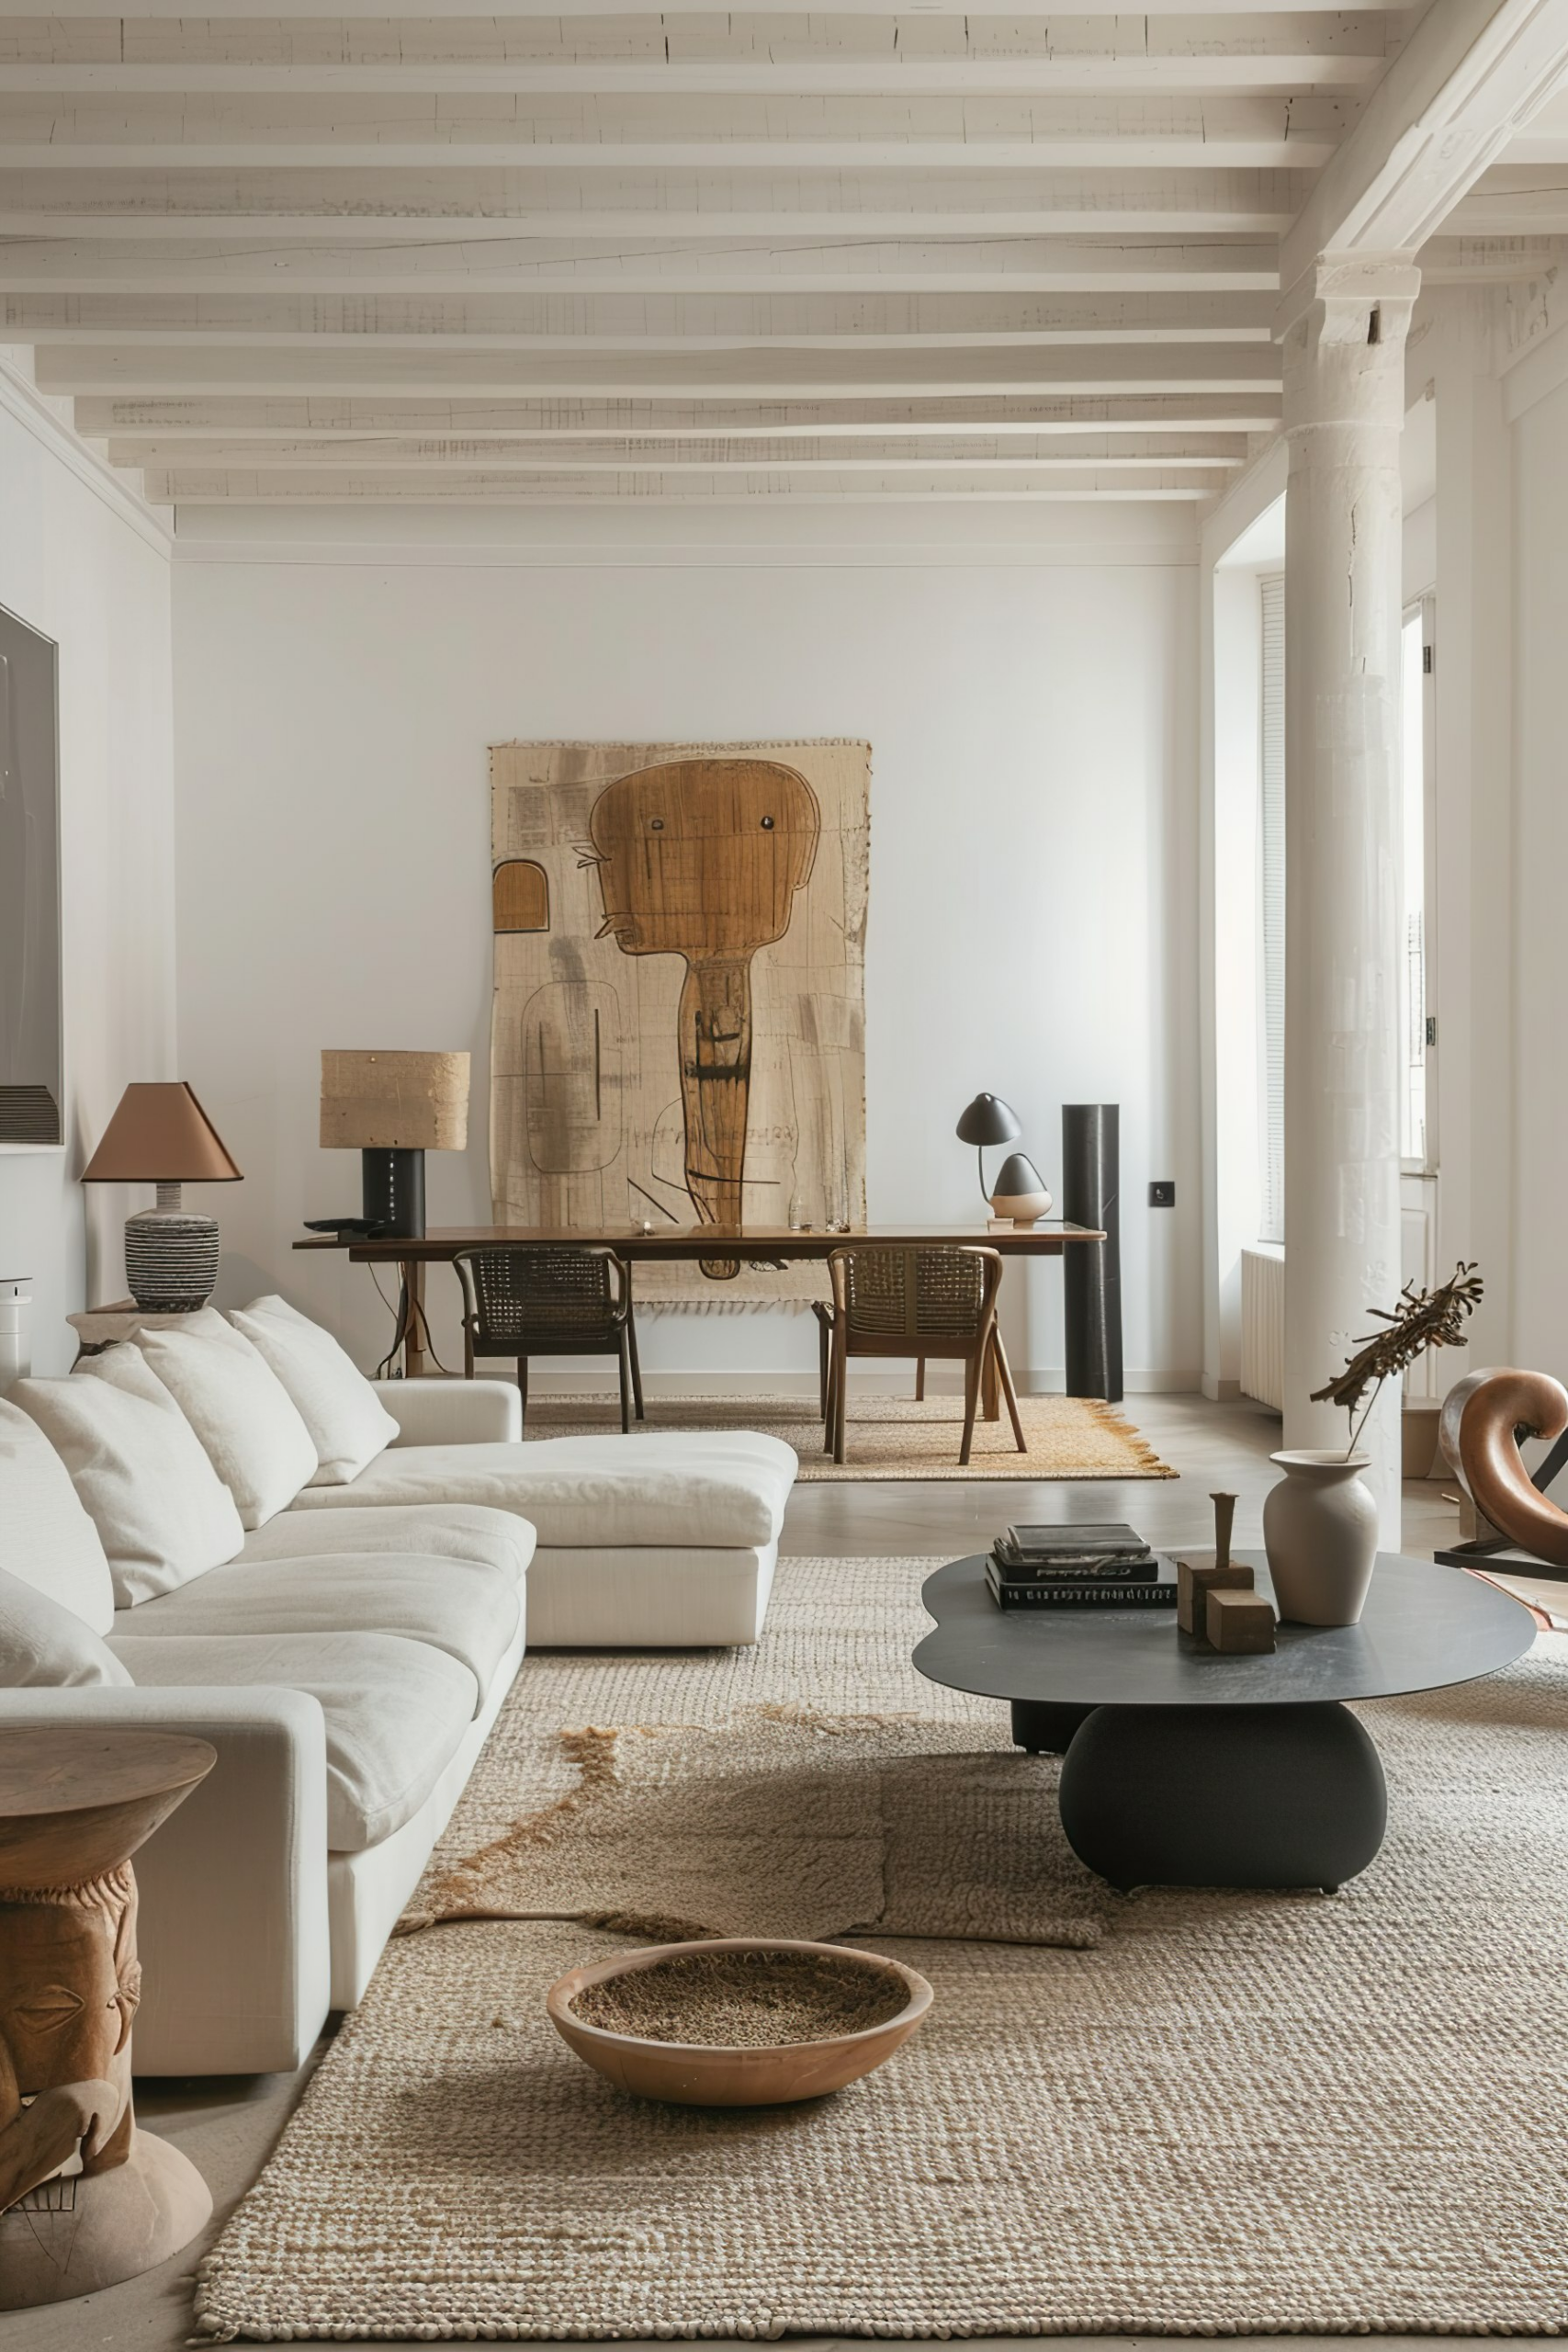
74,1806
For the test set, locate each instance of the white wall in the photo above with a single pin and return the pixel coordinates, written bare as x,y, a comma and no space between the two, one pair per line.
81,564
1029,696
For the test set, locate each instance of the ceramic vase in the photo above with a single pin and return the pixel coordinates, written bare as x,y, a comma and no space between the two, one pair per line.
1320,1530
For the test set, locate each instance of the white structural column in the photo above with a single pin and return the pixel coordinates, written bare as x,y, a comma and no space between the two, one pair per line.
1344,393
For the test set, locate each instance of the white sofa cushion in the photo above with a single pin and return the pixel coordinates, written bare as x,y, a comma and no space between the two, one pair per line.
44,1645
468,1609
727,1488
240,1409
396,1713
349,1425
441,1530
46,1537
161,1512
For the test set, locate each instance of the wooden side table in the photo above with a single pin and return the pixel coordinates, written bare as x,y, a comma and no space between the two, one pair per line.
74,1806
97,1327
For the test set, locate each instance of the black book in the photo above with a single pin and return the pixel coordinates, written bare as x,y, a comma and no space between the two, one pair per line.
1104,1539
1146,1592
1086,1568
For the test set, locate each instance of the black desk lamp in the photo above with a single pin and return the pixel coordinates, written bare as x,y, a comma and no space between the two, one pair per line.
988,1120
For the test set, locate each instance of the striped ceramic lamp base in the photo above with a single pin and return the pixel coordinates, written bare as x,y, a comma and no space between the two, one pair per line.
171,1256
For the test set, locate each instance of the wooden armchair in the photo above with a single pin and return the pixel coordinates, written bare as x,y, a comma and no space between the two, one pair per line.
530,1301
919,1303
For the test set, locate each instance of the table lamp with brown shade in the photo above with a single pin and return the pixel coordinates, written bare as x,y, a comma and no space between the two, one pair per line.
160,1134
392,1108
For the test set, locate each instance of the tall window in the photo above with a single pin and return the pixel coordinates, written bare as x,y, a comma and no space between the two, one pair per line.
1413,1008
1271,910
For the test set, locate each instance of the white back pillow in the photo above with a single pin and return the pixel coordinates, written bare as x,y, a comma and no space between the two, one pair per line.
43,1646
46,1537
161,1512
349,1425
239,1409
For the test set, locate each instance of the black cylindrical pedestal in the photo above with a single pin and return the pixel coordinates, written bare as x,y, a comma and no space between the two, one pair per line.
1223,1796
1091,1278
394,1191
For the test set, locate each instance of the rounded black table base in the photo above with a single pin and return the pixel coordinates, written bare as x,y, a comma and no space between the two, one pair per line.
1046,1727
1223,1796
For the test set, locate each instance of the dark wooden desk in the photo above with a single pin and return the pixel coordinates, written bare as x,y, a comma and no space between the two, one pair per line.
769,1245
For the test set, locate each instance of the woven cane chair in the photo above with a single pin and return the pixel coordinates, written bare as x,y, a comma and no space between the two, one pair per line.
919,1303
528,1301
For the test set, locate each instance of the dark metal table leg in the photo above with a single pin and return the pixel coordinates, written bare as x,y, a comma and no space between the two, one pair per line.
1044,1727
1223,1796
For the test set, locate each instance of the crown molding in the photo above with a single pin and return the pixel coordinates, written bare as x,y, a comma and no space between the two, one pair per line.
37,413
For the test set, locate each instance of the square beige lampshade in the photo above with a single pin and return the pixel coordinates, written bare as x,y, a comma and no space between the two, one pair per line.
394,1101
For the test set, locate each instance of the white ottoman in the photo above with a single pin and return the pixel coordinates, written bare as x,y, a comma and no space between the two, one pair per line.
663,1540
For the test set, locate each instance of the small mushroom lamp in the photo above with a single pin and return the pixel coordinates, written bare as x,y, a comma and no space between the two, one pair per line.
988,1120
1019,1192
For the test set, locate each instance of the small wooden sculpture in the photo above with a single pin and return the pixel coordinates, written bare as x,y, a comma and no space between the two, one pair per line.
1238,1625
73,1806
1224,1520
1198,1577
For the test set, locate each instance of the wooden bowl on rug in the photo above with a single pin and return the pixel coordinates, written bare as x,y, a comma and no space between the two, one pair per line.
866,2005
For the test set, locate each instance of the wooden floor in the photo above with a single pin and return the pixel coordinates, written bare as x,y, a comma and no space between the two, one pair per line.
228,2127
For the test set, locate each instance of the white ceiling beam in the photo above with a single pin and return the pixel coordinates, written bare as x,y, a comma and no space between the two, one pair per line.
52,132
758,373
86,30
1471,74
1490,261
407,264
224,418
1528,202
1244,72
558,321
357,207
198,487
410,48
1545,139
543,454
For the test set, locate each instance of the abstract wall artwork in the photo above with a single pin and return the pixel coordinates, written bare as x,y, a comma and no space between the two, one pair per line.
31,1073
678,1030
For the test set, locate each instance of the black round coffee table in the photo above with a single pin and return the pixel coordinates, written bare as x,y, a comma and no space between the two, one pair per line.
1186,1768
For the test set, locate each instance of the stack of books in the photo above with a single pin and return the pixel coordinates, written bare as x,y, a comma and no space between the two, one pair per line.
1104,1567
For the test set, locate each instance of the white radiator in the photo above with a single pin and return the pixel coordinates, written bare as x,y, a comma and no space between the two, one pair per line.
1263,1326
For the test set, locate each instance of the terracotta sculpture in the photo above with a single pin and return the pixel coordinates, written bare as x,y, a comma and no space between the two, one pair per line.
1483,1414
71,1809
701,858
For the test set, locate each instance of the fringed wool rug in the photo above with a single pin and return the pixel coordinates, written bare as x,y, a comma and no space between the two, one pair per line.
893,1437
1175,2113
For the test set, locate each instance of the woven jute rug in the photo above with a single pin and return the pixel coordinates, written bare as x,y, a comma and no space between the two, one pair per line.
892,1437
1176,2113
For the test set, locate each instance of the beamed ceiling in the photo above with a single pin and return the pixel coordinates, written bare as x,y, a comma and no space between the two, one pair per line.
579,256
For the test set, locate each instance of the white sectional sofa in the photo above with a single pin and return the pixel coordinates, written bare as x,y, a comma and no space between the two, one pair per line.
346,1639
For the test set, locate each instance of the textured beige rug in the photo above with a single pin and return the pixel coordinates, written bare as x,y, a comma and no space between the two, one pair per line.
783,1822
1230,2113
892,1437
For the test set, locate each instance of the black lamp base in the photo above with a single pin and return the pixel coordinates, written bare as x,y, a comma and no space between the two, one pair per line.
394,1191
